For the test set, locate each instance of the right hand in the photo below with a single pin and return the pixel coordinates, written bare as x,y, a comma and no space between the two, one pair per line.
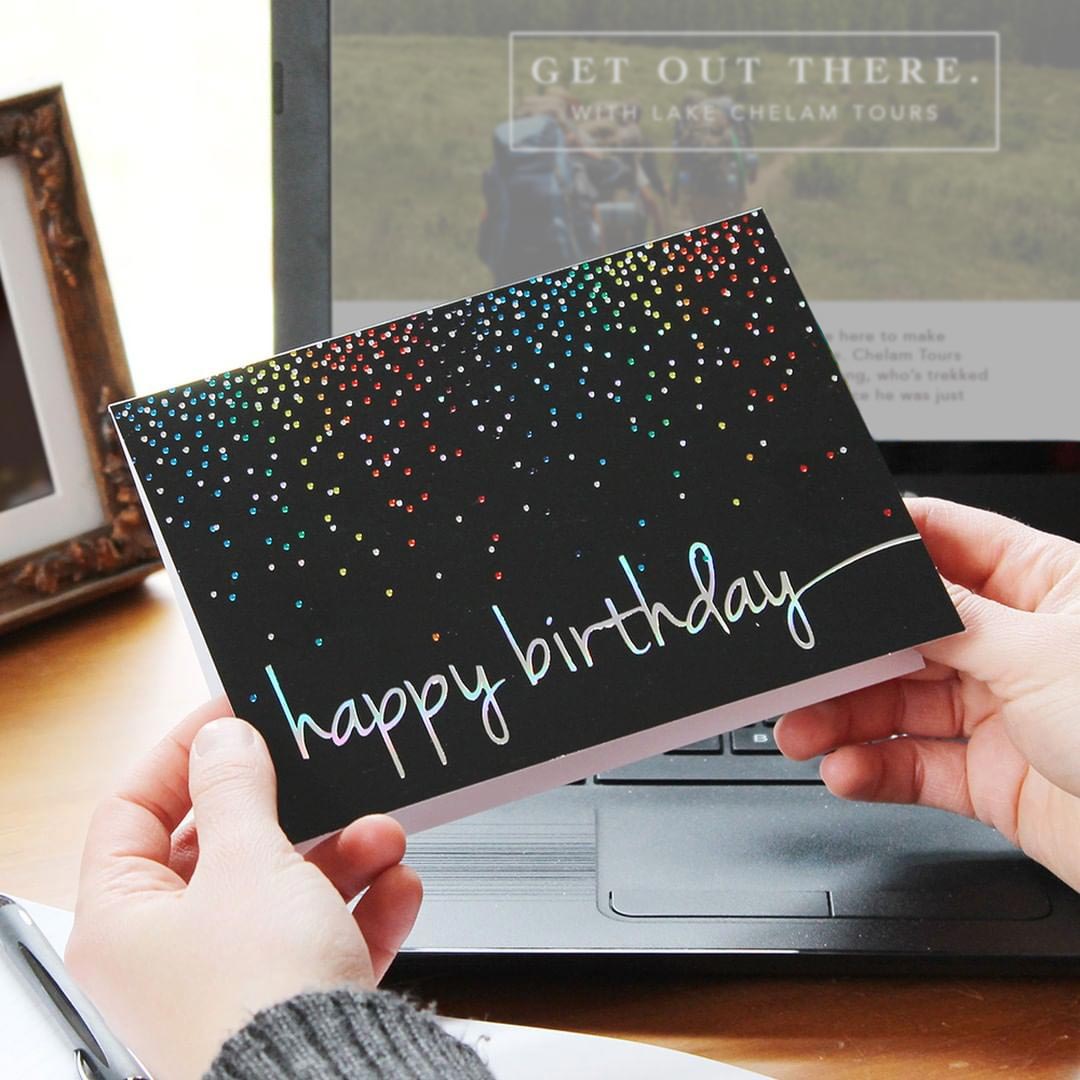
991,727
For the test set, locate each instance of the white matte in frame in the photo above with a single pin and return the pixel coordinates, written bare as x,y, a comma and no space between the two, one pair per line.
74,506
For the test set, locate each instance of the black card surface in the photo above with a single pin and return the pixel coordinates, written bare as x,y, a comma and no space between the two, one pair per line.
508,541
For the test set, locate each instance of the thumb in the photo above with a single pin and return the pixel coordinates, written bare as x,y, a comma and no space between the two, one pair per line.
232,784
999,645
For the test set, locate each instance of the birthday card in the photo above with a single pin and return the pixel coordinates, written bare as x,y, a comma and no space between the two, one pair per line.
505,543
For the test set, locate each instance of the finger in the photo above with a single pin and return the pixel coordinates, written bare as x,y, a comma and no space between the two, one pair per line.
906,770
929,708
1000,645
386,913
137,821
992,555
363,850
184,852
233,789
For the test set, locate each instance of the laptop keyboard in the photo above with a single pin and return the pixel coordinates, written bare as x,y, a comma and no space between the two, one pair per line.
748,755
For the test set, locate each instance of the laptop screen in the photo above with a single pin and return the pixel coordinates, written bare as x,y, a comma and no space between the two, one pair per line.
916,160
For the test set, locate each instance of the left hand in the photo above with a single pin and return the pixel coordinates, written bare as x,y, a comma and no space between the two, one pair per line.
182,935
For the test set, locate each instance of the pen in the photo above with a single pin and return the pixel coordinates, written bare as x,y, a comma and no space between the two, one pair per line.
98,1054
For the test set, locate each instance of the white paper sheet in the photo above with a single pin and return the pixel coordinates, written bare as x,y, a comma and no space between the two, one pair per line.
32,1046
526,1053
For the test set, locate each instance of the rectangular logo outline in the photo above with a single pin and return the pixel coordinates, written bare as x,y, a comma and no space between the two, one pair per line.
995,35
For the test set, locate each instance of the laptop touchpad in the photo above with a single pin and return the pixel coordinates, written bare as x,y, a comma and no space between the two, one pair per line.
787,852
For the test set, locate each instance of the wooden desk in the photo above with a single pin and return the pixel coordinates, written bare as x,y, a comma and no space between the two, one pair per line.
83,696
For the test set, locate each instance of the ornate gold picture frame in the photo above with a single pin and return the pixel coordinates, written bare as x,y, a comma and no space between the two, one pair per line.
71,525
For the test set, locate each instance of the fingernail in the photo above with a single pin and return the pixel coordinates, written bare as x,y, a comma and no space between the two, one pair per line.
220,736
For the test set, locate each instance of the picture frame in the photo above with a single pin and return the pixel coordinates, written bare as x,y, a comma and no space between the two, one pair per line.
71,524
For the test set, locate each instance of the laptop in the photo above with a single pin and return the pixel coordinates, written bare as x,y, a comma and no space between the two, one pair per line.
722,847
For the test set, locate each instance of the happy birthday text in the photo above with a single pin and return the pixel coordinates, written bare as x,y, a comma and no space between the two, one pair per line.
642,626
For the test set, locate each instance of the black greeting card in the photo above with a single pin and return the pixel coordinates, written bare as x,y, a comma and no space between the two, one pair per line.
501,544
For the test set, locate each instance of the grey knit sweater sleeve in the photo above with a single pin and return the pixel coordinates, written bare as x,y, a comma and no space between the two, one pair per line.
345,1034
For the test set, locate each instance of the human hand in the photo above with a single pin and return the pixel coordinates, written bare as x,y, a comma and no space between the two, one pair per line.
182,934
1009,686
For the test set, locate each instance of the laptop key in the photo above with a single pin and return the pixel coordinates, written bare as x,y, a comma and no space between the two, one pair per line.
756,739
702,746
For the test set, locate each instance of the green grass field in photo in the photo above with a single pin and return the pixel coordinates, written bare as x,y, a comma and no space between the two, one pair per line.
413,119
